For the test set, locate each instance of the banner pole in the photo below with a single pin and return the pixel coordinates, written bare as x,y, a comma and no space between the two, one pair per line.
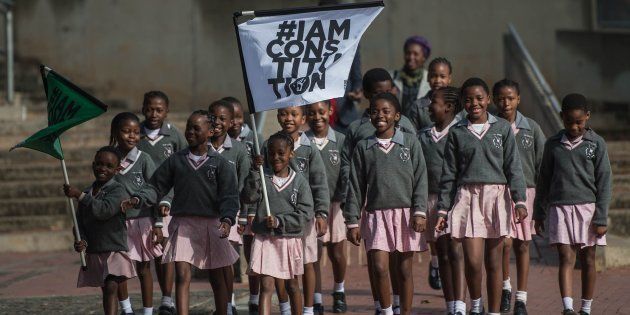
77,235
252,111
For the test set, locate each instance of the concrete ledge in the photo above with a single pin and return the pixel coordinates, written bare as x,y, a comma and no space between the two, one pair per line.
617,251
43,241
619,222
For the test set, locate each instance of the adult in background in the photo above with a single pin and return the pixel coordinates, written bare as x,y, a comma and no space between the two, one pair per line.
411,80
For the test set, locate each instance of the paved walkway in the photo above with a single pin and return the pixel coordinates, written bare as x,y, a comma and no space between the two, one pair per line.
46,283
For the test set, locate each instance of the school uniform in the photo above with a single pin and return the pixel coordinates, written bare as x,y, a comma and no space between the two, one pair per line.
137,168
420,90
390,179
247,137
481,177
236,153
574,188
418,112
358,130
530,142
278,252
433,143
102,226
159,145
205,194
308,162
329,148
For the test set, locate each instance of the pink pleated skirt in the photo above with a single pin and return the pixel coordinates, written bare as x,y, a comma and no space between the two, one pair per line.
234,237
141,247
309,241
430,234
277,256
481,210
571,225
102,265
390,230
336,225
166,221
196,240
524,230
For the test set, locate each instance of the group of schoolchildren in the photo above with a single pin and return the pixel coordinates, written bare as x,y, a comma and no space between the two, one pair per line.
436,171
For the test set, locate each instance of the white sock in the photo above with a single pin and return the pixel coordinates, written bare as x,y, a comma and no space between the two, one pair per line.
229,309
387,311
434,262
586,306
377,305
396,301
521,296
396,310
253,299
567,302
450,306
285,308
317,298
167,301
147,310
308,310
125,305
477,305
493,313
339,287
507,285
460,306
233,302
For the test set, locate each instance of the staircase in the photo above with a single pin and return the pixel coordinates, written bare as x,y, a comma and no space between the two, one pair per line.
34,214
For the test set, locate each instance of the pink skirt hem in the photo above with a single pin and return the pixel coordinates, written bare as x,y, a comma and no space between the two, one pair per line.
390,230
277,256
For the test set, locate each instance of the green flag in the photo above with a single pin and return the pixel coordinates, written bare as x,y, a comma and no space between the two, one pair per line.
68,106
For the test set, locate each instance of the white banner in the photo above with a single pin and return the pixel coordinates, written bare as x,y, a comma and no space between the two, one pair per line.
298,59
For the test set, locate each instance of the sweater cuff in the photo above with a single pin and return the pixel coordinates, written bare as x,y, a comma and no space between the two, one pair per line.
417,212
165,203
242,221
520,204
227,220
442,213
352,226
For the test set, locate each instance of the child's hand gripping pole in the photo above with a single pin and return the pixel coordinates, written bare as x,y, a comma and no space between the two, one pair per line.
77,235
260,167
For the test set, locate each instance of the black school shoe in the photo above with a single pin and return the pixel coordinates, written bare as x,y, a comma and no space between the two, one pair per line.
519,308
167,310
318,309
253,309
434,278
583,313
569,311
483,312
506,299
339,302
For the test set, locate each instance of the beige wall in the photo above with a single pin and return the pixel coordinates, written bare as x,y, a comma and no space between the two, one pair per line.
120,49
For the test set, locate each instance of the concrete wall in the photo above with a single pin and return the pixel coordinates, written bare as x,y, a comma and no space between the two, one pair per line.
120,49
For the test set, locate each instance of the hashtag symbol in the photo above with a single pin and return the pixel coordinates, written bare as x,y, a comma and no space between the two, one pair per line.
286,30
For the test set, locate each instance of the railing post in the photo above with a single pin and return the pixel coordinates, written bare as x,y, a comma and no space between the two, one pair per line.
9,45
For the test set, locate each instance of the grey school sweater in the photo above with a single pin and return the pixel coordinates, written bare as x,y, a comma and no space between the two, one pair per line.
169,141
332,162
247,137
397,179
101,221
530,141
237,153
133,178
493,159
578,176
308,162
434,157
418,113
291,204
208,190
358,130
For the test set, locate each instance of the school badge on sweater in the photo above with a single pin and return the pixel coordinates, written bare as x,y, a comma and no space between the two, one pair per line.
334,157
405,154
497,140
590,151
527,141
168,149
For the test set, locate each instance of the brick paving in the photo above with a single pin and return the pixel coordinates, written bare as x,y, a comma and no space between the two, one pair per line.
46,283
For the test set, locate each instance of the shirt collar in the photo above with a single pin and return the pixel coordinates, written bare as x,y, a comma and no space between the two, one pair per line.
465,122
244,131
304,140
330,136
132,155
521,121
397,138
164,130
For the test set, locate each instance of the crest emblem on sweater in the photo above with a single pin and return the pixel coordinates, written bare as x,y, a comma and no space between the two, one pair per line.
138,180
405,155
301,164
249,146
527,141
497,140
168,149
212,173
334,157
590,151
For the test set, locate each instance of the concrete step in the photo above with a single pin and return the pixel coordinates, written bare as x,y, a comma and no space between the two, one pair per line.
619,222
33,206
35,222
617,251
620,197
45,170
38,188
36,241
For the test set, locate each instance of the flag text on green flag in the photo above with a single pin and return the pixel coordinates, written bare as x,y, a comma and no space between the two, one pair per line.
68,106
